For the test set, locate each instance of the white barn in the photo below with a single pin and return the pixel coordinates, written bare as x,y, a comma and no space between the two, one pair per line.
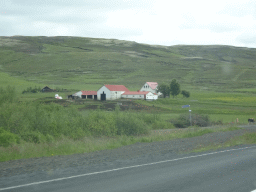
150,86
111,92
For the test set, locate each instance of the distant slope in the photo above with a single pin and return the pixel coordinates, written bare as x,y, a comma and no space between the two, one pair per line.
89,63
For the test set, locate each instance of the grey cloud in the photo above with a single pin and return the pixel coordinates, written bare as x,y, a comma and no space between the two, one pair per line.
222,27
248,38
67,11
89,4
216,27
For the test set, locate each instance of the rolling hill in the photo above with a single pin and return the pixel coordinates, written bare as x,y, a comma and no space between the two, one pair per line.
88,63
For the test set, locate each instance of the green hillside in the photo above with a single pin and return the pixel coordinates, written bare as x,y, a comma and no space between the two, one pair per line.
86,63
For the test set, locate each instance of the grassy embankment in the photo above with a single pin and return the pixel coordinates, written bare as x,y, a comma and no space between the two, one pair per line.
247,138
67,146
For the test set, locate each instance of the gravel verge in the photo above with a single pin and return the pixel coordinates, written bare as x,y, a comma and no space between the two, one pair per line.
125,153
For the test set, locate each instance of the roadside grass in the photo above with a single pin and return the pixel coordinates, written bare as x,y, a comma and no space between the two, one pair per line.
247,138
68,146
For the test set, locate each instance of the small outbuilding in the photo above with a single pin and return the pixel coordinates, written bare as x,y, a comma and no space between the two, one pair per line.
85,95
89,95
47,89
135,94
147,95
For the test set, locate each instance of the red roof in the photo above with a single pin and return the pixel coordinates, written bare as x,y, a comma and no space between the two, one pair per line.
135,93
89,92
153,85
116,87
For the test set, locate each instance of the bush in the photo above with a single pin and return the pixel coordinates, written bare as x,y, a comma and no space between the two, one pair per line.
33,137
185,94
129,124
101,123
7,138
219,122
196,120
49,138
162,125
30,90
7,95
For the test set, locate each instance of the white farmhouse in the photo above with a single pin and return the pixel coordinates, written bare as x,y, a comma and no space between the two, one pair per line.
150,86
111,92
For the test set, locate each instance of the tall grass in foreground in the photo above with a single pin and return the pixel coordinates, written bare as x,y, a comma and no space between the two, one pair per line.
67,146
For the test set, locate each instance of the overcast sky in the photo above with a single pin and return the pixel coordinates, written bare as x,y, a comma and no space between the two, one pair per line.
161,22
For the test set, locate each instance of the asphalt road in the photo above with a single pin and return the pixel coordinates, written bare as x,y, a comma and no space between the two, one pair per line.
232,169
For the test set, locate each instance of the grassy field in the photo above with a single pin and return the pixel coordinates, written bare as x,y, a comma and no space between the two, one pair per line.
226,107
220,80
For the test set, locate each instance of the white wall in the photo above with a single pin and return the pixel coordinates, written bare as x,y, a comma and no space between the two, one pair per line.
151,96
106,91
133,96
116,94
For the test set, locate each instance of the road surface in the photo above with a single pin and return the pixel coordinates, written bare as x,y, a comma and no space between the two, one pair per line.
232,169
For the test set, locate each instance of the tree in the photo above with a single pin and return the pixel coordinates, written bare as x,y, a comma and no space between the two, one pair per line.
164,89
174,88
185,94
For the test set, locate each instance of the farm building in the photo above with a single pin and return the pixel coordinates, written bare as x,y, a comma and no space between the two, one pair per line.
47,89
151,96
134,94
111,92
89,95
85,95
147,95
150,86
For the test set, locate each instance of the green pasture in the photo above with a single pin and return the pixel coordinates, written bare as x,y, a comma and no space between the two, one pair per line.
226,107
